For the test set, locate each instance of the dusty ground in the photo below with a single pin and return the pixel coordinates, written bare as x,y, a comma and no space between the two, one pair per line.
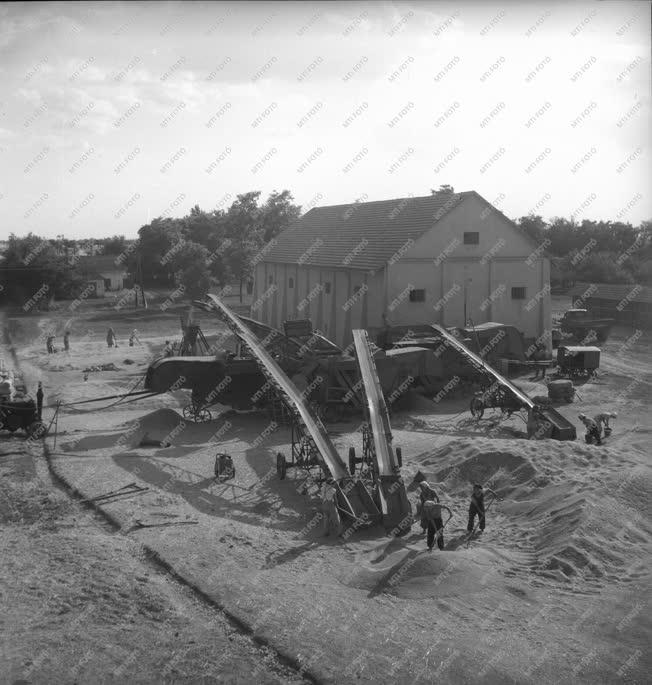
556,590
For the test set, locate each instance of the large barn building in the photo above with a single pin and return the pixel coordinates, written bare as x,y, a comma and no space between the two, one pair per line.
442,258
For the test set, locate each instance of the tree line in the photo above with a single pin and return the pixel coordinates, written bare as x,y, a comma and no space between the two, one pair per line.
199,251
205,249
593,251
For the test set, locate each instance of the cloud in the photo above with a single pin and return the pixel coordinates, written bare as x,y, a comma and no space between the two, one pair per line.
31,95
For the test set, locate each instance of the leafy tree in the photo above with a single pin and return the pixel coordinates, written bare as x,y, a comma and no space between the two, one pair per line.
643,272
244,232
32,265
157,242
534,226
600,267
199,226
190,267
115,245
444,189
277,214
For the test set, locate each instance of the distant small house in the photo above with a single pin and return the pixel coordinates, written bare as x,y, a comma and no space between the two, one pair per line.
103,272
627,303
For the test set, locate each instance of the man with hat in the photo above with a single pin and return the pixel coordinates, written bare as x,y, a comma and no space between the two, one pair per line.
592,429
603,418
431,519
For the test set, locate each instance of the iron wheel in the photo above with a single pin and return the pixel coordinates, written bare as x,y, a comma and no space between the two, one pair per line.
477,407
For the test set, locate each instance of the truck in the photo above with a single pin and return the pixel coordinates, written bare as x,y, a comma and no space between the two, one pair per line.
585,327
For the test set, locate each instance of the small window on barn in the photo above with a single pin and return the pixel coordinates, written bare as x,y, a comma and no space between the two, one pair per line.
290,282
518,293
471,238
270,280
418,295
327,287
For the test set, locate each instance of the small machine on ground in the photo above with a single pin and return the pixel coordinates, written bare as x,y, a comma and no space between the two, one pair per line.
224,468
576,361
494,397
582,325
21,414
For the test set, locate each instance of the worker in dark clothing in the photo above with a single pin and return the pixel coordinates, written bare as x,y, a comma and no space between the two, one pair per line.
426,492
39,400
432,512
539,356
592,429
476,507
49,343
66,341
431,519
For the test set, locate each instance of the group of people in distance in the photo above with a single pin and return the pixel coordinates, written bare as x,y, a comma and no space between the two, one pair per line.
112,341
49,342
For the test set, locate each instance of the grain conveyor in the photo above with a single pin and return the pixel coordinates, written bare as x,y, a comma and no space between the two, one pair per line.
314,443
377,442
562,428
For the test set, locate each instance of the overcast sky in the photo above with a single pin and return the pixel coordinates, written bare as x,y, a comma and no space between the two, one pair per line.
114,113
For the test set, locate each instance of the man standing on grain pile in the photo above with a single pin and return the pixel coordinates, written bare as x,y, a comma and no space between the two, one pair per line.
431,518
330,511
476,507
592,429
603,418
39,400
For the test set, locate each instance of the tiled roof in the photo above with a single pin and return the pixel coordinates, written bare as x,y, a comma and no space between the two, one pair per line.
612,291
99,264
362,235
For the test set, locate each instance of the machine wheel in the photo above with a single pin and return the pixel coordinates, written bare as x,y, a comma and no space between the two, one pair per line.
352,460
36,430
204,415
399,457
281,466
188,411
588,439
477,408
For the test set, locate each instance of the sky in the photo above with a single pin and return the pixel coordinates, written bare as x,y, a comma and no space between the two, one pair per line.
114,113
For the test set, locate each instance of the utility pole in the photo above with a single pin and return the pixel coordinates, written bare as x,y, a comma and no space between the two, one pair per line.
140,273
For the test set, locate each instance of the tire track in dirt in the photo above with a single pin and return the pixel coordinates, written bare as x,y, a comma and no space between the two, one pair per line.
286,661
